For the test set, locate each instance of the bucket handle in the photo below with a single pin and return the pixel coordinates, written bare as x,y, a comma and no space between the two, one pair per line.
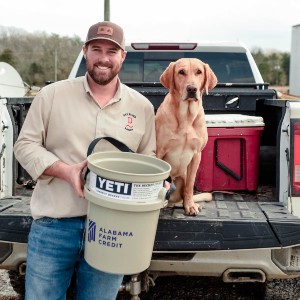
122,147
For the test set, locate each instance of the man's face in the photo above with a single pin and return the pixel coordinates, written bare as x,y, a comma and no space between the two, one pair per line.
103,60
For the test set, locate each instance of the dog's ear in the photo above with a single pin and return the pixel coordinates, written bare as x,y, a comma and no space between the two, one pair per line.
210,78
167,77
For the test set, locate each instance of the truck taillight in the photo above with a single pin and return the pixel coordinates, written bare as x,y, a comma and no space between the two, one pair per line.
296,159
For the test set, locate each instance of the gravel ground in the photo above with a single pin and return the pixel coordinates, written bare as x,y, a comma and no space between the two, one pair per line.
194,288
181,288
6,290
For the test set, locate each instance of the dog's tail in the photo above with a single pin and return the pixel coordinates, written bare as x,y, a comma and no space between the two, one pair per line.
202,197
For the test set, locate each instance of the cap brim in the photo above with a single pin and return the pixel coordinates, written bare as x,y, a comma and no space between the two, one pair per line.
104,38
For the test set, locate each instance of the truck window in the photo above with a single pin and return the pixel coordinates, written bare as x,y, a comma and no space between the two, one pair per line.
148,66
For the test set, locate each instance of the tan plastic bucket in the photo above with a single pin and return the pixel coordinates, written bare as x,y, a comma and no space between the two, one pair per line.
125,194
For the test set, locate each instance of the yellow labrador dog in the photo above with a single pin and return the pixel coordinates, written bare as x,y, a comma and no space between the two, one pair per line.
181,131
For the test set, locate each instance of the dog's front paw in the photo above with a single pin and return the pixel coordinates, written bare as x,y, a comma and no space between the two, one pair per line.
191,208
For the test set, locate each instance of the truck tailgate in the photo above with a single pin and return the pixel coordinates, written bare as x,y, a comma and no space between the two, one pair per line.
15,219
227,223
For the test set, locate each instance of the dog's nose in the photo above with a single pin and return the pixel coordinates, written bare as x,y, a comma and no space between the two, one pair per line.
191,91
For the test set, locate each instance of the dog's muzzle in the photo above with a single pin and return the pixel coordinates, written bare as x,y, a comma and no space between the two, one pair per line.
191,92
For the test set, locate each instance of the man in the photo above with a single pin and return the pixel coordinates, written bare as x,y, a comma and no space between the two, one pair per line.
61,123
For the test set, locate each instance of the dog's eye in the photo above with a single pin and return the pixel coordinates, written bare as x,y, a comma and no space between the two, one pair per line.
181,72
199,71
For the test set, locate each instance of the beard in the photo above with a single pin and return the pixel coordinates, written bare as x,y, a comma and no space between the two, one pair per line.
103,77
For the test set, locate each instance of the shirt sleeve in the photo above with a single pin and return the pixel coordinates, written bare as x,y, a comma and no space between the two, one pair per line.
29,148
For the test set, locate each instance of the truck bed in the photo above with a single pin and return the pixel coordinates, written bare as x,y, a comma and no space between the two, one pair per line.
226,223
233,220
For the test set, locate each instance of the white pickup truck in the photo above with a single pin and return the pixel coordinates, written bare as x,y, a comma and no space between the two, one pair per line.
251,229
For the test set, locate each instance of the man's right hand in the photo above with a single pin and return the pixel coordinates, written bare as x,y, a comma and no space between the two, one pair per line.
69,173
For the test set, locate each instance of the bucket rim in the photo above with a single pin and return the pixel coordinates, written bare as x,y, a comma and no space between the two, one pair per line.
115,156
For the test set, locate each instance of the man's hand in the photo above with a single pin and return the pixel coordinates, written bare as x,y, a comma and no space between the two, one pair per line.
70,173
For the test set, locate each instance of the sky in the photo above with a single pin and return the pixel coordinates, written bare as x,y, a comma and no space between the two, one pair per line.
264,24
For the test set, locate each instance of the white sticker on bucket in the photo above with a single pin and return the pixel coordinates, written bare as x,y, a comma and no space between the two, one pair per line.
124,190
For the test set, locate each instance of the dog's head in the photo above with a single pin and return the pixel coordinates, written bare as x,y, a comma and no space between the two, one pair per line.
188,77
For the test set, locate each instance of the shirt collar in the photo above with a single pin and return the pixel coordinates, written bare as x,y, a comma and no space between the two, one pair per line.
117,97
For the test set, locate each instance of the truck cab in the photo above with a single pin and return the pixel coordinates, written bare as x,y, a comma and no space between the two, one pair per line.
145,62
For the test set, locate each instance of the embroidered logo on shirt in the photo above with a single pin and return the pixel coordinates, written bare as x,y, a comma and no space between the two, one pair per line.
129,122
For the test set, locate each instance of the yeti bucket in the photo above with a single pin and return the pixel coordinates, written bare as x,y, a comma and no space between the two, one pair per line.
125,194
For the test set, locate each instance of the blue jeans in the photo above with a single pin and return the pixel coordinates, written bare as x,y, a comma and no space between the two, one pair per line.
55,250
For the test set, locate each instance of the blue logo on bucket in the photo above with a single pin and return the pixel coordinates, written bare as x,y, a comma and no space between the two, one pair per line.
116,187
92,231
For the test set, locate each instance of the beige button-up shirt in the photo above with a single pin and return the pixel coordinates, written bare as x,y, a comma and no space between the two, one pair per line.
62,121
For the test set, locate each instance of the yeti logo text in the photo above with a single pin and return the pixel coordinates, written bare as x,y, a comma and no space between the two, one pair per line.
113,186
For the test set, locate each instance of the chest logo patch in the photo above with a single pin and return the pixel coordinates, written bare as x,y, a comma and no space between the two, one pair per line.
129,121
